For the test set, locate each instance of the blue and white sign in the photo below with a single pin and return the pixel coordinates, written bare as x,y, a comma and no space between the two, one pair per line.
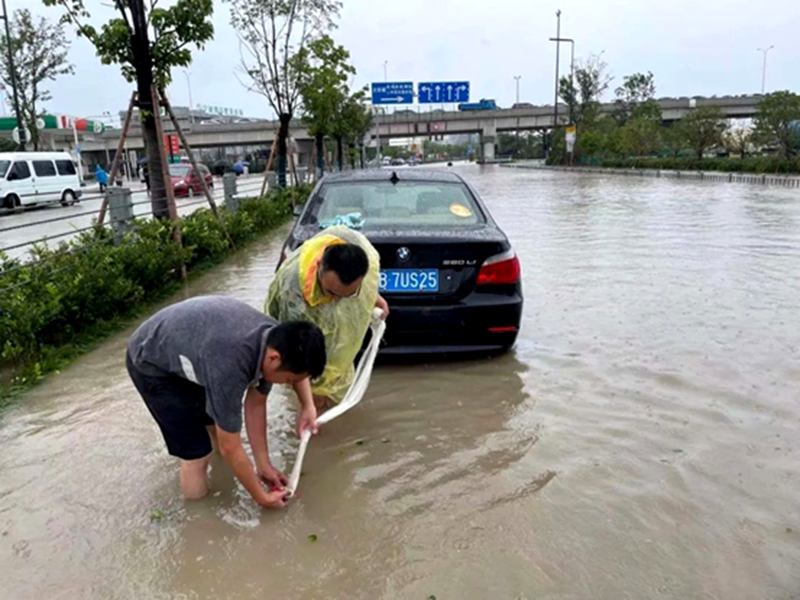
397,92
439,92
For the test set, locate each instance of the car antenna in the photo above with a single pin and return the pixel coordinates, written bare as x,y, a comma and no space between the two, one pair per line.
394,178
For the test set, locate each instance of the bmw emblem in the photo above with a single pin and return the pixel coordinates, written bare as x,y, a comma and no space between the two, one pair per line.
403,253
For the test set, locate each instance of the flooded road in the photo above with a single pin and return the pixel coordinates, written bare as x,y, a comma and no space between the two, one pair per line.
641,442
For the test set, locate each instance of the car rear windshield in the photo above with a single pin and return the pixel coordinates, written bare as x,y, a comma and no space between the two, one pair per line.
179,170
383,204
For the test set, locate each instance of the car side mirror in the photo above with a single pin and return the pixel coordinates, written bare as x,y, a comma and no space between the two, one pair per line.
298,209
13,176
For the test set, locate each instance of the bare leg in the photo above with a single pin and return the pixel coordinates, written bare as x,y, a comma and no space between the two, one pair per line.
194,478
322,403
212,434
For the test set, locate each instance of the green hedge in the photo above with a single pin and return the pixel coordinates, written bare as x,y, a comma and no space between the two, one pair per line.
76,293
755,164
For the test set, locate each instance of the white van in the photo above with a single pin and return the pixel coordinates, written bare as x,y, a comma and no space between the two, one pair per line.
38,178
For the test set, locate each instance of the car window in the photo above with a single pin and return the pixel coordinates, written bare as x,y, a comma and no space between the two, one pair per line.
179,170
4,164
383,204
204,170
44,168
65,167
19,170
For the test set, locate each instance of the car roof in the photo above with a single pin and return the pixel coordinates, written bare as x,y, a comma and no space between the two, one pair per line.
431,175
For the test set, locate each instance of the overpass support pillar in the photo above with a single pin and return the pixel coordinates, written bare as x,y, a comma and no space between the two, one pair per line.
488,140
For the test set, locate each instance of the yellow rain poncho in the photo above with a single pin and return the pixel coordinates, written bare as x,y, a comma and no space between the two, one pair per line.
296,295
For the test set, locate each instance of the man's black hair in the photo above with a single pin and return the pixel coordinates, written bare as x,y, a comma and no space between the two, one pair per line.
348,261
301,346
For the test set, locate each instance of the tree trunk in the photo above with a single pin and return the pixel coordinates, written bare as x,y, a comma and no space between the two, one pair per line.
283,136
351,150
140,44
339,152
361,155
319,141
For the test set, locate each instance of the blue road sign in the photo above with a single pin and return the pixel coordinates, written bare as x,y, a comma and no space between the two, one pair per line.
438,92
397,92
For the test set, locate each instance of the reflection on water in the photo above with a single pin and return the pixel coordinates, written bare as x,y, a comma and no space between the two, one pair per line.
641,442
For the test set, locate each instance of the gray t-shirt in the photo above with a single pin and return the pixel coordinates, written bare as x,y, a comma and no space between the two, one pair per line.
214,341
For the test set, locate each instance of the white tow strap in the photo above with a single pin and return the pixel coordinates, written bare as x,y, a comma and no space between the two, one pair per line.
354,395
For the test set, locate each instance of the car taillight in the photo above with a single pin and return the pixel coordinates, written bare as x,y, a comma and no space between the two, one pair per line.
500,269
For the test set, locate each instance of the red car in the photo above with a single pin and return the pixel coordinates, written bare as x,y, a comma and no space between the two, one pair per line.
186,182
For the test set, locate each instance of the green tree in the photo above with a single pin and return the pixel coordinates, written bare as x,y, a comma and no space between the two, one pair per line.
636,89
353,120
583,95
323,72
778,122
703,129
40,50
640,137
674,139
146,42
271,34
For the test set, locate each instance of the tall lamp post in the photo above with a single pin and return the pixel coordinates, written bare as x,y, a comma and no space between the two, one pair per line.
13,71
517,78
191,104
763,69
558,40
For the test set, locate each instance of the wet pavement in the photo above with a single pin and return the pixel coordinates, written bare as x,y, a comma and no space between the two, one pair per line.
641,442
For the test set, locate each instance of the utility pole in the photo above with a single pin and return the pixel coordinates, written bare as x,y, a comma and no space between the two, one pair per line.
763,70
517,77
191,104
13,70
385,72
555,104
558,40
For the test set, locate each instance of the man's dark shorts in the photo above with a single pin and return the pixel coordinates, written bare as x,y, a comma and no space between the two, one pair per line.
179,408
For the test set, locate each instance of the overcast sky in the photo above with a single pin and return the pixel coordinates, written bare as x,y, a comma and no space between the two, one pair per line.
693,47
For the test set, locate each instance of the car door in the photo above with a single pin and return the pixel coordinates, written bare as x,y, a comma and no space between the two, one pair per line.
46,181
20,182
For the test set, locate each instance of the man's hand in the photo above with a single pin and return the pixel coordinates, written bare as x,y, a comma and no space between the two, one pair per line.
272,477
383,305
277,499
307,419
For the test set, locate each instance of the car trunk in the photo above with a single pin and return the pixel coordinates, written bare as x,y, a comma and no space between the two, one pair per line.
456,254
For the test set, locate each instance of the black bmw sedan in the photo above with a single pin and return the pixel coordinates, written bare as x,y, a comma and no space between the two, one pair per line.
448,272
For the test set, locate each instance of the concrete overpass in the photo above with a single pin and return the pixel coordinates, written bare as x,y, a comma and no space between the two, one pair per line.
410,123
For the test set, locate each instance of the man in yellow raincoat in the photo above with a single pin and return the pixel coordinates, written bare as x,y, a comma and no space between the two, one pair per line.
331,281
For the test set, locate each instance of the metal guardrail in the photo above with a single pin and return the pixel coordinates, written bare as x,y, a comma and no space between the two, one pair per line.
750,178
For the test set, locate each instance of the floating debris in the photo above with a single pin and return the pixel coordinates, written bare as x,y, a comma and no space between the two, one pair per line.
312,537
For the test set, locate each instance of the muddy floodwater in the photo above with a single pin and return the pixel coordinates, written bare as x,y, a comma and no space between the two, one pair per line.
643,440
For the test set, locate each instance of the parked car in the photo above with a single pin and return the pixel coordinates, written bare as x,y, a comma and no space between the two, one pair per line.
29,178
186,182
399,162
448,271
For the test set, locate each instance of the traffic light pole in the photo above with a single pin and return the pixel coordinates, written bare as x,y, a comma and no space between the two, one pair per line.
20,126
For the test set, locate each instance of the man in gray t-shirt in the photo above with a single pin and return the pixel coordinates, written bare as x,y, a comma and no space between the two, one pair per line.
196,362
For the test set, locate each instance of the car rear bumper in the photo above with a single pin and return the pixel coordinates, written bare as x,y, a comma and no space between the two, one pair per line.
482,322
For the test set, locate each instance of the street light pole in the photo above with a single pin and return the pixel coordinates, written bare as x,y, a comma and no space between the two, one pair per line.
13,71
555,104
763,70
517,77
191,104
385,75
558,40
